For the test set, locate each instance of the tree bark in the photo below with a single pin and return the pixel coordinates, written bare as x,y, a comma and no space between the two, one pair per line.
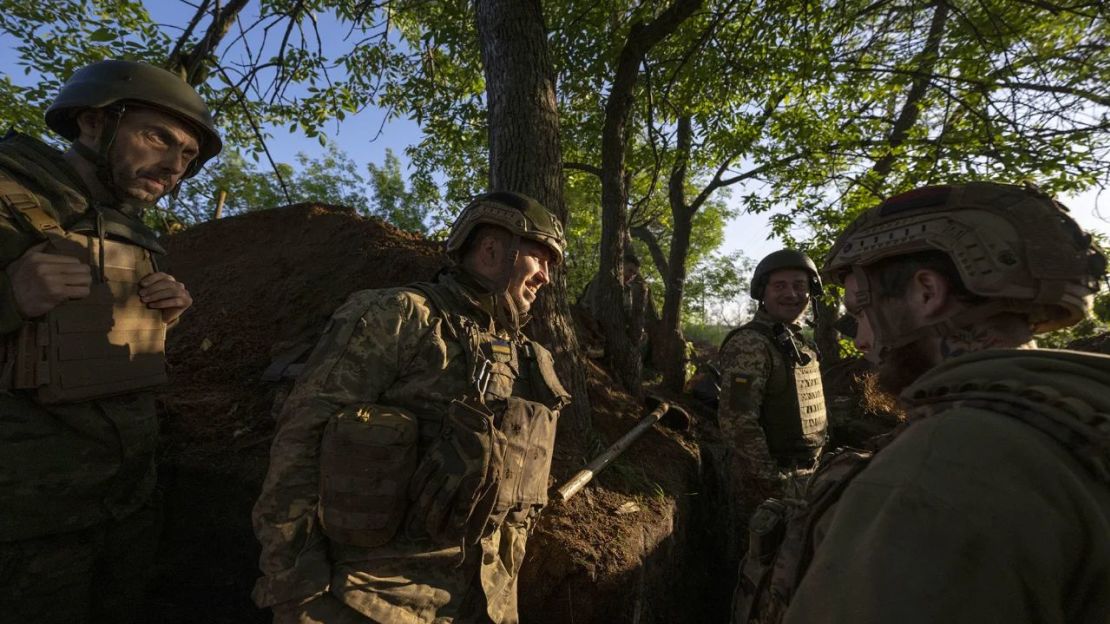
926,60
622,351
192,65
526,157
674,343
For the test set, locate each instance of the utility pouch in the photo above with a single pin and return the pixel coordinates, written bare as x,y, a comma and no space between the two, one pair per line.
766,530
458,478
367,457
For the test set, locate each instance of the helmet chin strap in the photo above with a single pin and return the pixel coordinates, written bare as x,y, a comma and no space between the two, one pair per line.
102,162
505,310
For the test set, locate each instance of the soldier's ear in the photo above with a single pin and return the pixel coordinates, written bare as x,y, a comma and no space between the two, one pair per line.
929,294
90,121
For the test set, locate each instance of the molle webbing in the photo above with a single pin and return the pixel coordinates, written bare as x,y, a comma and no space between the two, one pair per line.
25,207
793,410
107,343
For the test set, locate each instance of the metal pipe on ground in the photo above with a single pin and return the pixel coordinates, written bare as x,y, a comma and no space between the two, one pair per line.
673,417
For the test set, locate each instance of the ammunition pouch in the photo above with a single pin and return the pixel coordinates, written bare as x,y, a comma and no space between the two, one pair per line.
105,344
456,483
367,457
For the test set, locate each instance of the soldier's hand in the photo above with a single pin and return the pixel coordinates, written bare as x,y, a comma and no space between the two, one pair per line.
41,281
160,291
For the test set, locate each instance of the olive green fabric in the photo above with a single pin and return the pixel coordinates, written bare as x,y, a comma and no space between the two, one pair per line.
73,475
977,512
400,348
109,82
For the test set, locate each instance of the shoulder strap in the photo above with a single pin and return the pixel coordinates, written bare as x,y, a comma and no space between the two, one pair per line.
25,207
751,326
477,364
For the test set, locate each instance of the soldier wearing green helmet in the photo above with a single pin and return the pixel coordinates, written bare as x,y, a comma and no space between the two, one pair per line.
83,322
991,503
412,457
771,409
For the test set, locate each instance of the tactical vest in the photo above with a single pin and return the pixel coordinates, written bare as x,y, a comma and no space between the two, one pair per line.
793,411
365,466
105,344
503,372
781,542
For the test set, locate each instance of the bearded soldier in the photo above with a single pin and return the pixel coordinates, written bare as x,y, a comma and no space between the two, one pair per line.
412,457
992,502
83,320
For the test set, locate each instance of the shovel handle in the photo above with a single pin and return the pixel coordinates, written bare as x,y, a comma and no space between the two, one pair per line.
584,476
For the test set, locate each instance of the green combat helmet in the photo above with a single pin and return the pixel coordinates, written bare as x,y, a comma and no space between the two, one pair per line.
521,215
1014,246
784,259
113,84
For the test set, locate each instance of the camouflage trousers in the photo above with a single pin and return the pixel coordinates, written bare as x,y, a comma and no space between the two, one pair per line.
95,575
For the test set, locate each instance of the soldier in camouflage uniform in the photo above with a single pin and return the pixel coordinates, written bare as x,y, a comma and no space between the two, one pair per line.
413,456
83,321
772,410
992,502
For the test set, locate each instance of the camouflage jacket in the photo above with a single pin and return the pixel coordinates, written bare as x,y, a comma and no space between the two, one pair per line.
992,505
62,467
747,362
389,347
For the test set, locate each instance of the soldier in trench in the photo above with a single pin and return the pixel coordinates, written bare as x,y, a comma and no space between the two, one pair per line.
412,457
991,503
772,408
82,331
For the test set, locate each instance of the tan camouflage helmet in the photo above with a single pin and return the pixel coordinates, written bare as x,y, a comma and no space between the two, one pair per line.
519,214
1013,245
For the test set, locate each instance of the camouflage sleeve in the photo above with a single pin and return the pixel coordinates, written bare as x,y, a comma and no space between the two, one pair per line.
13,243
745,367
363,350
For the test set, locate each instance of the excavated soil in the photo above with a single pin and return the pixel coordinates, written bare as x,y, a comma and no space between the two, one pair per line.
1099,343
629,548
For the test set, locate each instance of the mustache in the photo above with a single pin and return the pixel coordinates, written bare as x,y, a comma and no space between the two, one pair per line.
161,178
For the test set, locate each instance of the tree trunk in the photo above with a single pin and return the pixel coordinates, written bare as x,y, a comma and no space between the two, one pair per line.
525,156
674,343
622,351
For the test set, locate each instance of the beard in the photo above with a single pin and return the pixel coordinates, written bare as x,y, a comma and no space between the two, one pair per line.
902,366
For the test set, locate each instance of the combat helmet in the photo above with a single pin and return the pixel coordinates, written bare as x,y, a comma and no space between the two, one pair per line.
114,82
1014,246
519,214
784,259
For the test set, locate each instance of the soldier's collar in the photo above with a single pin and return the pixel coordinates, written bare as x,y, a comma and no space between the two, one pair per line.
475,293
762,315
